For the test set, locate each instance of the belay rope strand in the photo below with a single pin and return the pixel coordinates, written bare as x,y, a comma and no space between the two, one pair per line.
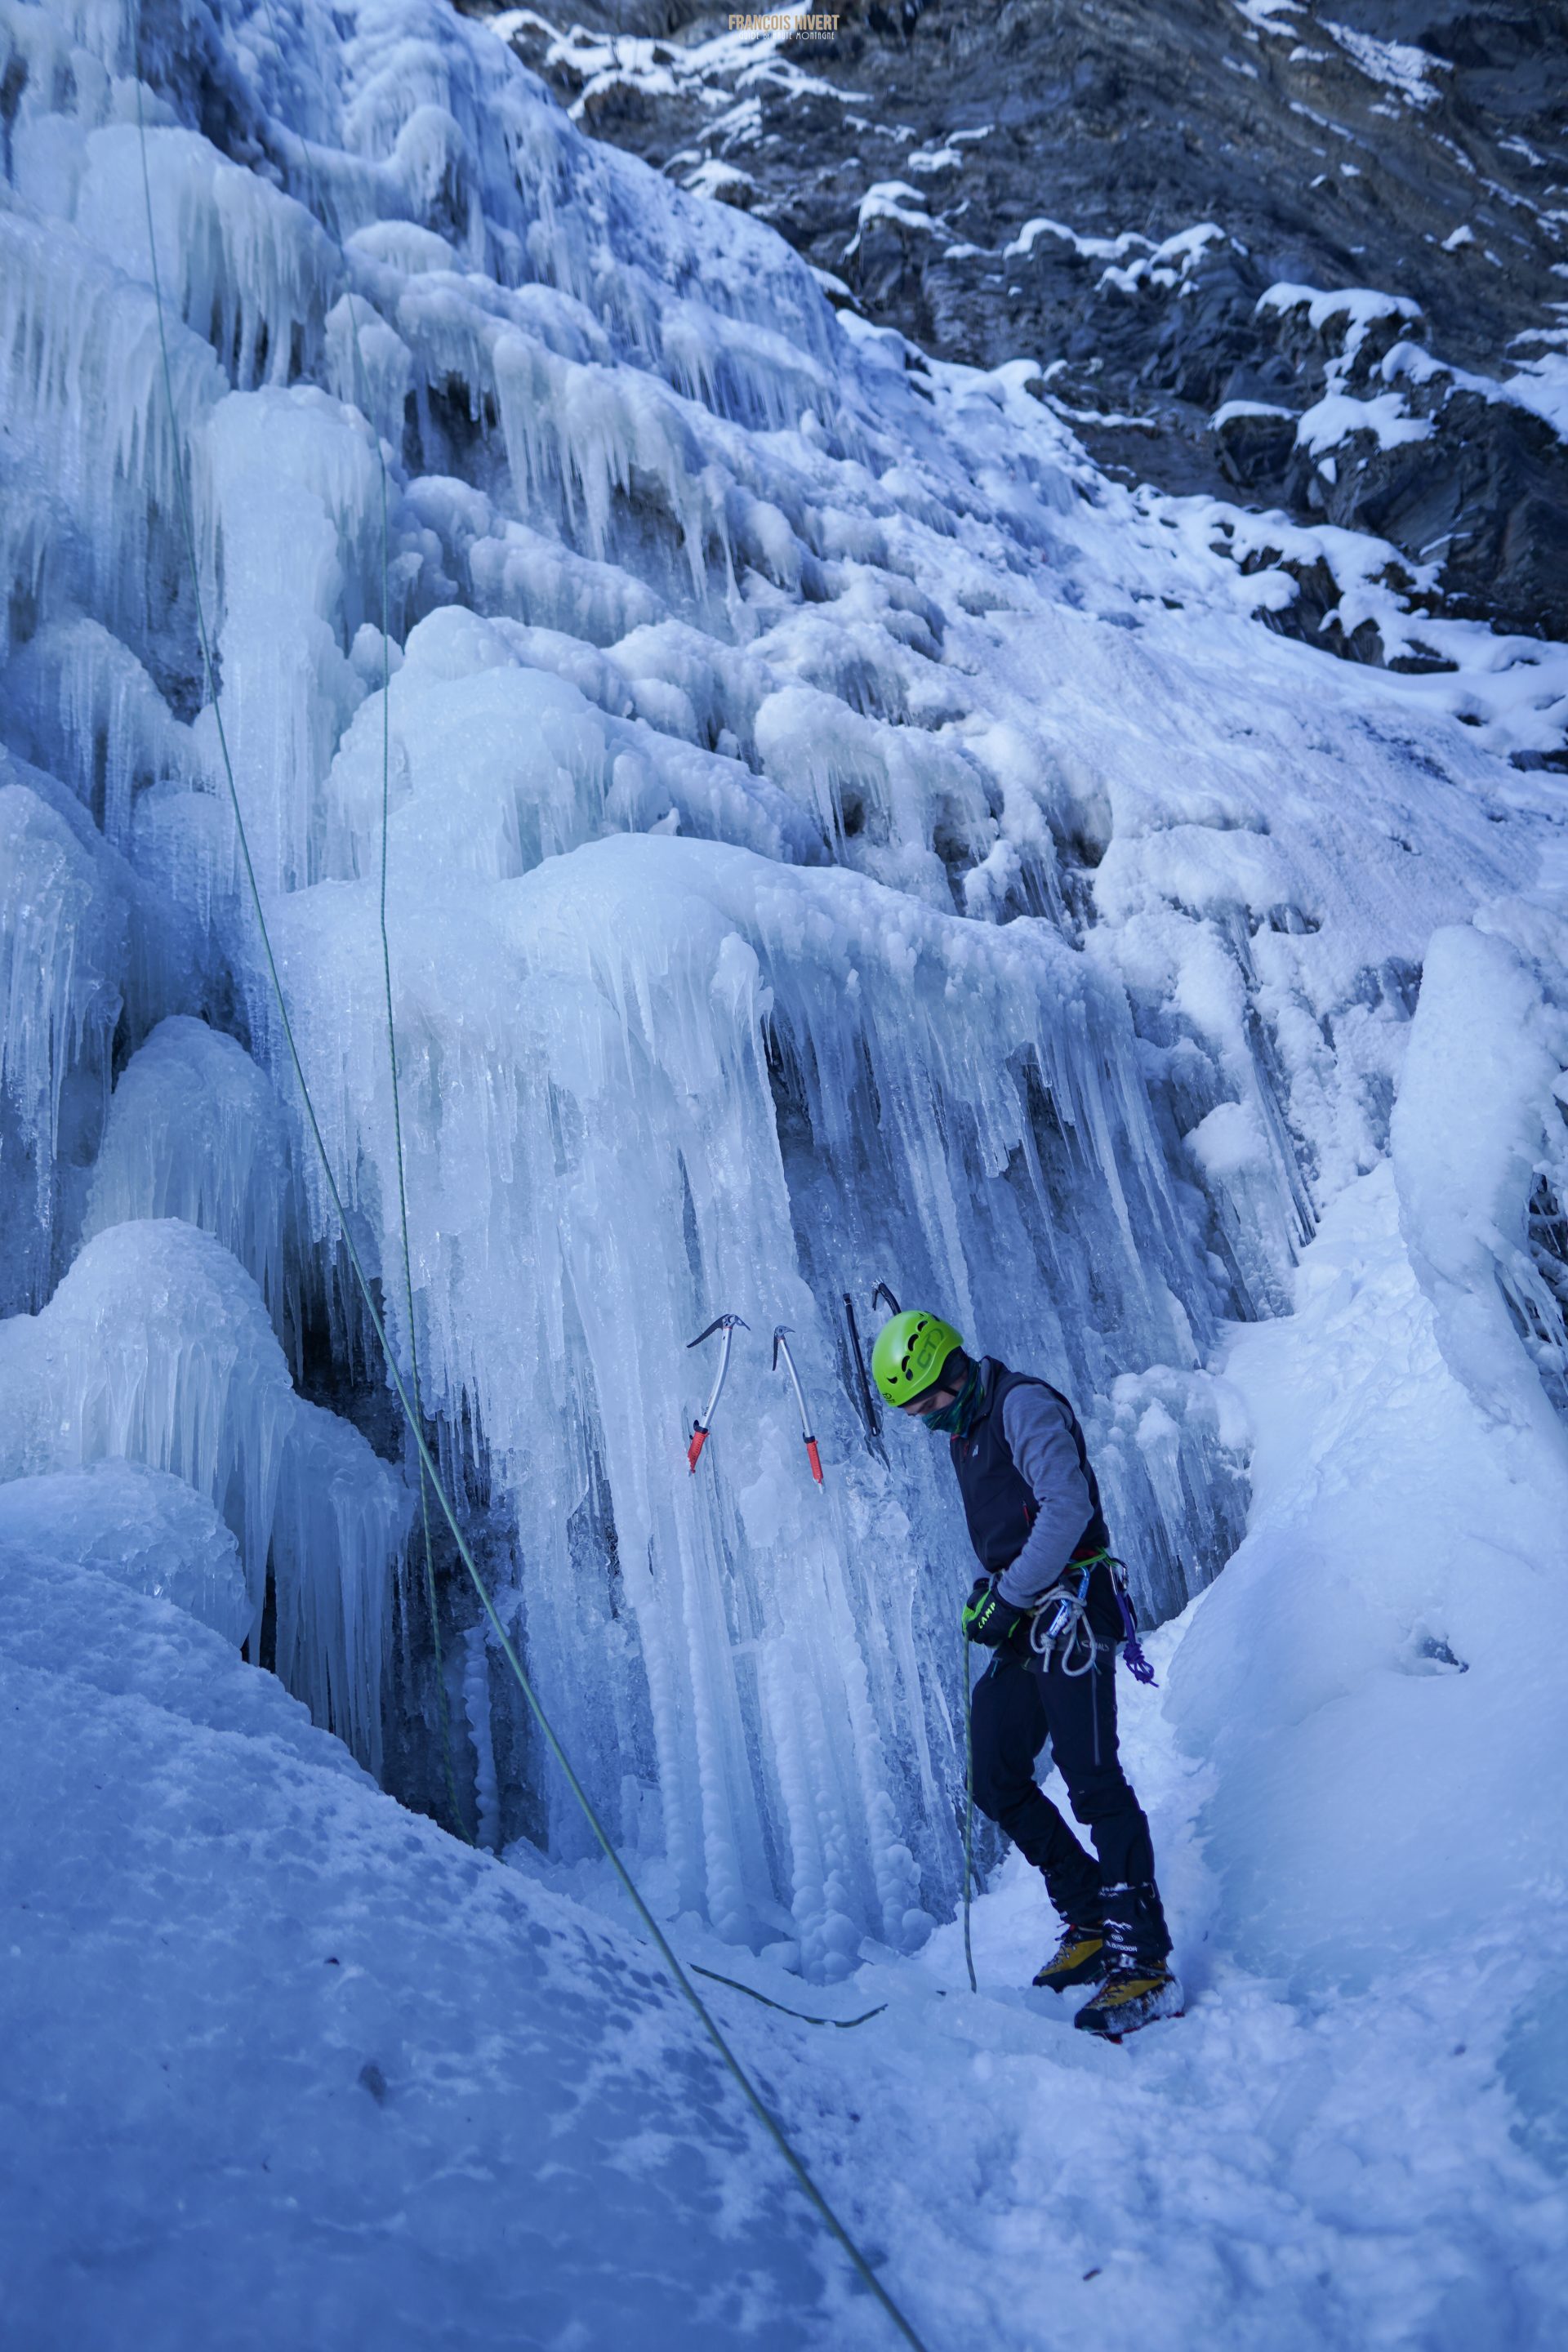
660,1942
362,382
442,1710
843,2023
968,1795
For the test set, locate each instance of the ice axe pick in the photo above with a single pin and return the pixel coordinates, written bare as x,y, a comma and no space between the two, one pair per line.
704,1421
781,1347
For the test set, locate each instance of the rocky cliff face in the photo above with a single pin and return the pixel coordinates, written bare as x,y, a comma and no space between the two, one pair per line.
1153,199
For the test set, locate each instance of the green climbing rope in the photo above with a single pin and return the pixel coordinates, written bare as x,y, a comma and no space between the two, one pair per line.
660,1942
443,1712
968,1797
843,2023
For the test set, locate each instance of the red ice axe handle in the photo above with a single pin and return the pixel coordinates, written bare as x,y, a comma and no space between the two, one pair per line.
781,1347
704,1421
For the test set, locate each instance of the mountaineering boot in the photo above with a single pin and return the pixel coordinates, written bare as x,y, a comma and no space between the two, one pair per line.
1079,1958
1137,1985
1131,1997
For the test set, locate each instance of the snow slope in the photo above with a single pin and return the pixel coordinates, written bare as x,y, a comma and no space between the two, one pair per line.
290,2066
831,835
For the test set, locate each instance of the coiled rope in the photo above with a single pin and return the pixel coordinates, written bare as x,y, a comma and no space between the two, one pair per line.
660,1942
1060,1622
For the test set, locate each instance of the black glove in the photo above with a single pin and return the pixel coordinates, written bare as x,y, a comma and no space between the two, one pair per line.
987,1618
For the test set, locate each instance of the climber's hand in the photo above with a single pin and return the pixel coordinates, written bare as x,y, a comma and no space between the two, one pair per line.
988,1619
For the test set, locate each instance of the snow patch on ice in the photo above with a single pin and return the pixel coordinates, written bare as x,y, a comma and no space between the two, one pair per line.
143,1528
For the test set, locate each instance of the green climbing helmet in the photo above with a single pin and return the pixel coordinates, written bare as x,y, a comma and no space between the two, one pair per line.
909,1353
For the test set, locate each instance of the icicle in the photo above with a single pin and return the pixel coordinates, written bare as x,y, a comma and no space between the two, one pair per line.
242,265
633,987
156,1348
81,370
64,917
297,490
75,688
720,576
195,1132
342,1520
477,1708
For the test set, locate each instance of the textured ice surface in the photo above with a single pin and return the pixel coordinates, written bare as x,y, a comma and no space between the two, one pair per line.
63,918
195,1132
157,1348
143,1527
832,836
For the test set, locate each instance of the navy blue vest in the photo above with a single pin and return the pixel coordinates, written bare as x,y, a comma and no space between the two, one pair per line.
998,1501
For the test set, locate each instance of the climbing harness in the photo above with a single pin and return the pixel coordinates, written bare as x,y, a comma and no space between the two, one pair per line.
656,1934
781,1347
704,1421
1061,1618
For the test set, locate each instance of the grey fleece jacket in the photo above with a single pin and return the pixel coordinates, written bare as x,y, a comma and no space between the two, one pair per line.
1042,1448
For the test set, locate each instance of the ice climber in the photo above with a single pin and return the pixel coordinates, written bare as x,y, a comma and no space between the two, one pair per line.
1048,1608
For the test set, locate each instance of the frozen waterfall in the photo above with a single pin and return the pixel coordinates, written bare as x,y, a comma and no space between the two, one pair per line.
831,838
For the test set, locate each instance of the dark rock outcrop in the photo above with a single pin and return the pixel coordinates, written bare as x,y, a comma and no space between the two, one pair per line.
1111,187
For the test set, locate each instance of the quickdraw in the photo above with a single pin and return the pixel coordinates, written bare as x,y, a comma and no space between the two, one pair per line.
704,1421
1138,1665
781,1347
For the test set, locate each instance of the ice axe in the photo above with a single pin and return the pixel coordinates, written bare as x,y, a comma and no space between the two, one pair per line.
704,1421
870,1411
780,1346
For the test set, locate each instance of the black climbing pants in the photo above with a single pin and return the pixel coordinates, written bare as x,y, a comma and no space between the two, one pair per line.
1019,1706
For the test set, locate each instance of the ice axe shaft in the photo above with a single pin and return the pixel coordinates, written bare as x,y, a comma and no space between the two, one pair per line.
704,1421
869,1413
781,1347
